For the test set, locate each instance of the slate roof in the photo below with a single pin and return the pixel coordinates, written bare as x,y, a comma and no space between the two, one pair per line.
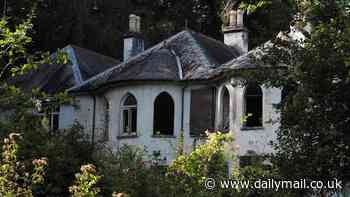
83,64
245,61
186,56
251,60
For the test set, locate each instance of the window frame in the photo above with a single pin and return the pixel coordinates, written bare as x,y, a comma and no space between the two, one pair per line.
129,109
160,134
244,124
51,114
49,110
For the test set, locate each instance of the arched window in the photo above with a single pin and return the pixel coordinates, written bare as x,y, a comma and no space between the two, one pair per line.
225,110
129,115
253,106
163,120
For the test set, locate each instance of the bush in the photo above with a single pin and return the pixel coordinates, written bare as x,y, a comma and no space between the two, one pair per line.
14,179
85,183
132,171
65,150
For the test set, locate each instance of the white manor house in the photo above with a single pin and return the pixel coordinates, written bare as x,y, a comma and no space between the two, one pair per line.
185,83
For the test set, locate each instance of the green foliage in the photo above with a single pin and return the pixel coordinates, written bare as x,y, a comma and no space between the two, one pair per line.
315,105
14,180
16,57
85,183
266,18
206,161
67,22
252,6
134,172
66,150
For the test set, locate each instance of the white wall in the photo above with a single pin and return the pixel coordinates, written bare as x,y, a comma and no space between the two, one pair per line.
257,140
248,140
145,95
83,112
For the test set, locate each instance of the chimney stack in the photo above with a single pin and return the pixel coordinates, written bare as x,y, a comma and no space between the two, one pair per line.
235,34
133,40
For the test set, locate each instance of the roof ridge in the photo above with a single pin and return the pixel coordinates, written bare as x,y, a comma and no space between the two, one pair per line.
120,65
90,51
196,53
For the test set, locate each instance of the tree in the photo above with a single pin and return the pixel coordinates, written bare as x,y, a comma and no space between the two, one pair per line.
313,140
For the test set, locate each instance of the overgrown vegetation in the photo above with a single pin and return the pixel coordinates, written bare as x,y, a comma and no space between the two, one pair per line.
130,172
313,140
315,111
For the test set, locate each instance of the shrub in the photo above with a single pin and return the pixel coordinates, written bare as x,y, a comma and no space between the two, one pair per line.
14,180
85,183
132,171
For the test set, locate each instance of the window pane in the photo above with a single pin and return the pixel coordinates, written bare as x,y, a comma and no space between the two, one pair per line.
133,120
225,111
125,121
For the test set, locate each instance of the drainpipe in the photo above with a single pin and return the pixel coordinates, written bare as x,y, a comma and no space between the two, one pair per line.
93,121
182,108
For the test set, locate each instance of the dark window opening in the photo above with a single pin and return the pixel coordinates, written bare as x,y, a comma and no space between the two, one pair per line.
106,120
163,121
129,115
202,115
225,111
253,106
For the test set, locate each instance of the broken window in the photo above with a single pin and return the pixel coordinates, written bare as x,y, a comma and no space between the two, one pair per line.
129,115
163,122
253,106
202,115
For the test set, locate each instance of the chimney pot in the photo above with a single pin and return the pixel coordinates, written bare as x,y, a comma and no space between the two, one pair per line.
134,23
240,15
233,18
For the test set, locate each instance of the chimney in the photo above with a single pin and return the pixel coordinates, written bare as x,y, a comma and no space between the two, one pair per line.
235,34
133,41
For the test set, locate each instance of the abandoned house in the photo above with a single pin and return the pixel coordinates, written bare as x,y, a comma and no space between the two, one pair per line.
185,83
181,84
